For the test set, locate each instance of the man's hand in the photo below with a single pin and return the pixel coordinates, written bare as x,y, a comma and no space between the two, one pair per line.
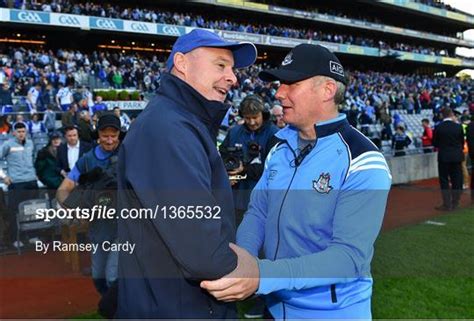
239,170
238,284
7,180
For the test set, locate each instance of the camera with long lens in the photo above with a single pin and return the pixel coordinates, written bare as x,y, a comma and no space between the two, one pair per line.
232,156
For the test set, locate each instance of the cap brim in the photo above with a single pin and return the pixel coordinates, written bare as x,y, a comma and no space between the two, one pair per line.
284,76
245,54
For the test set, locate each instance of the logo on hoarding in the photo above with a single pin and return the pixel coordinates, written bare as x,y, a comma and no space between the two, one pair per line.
105,24
67,20
29,16
171,30
139,27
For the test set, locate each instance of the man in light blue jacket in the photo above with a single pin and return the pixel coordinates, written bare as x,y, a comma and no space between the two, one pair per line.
21,175
318,207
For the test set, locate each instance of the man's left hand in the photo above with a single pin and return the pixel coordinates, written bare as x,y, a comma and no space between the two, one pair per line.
238,284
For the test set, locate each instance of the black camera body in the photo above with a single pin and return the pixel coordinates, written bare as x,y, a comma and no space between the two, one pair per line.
232,156
253,150
96,187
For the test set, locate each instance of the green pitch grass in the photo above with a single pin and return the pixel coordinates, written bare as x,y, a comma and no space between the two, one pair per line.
424,271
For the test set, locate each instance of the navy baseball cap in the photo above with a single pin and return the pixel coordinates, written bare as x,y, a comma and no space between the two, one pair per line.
108,120
245,53
306,61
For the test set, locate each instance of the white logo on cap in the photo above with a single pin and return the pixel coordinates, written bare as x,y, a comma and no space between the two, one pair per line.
288,59
336,68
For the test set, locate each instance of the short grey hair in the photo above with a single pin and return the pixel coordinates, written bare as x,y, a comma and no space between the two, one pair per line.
276,106
340,91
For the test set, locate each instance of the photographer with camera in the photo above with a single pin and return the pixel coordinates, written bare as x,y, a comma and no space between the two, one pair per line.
244,150
87,185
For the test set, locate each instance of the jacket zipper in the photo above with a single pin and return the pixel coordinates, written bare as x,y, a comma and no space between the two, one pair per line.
281,206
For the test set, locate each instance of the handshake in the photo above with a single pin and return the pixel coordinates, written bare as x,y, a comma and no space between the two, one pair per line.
238,284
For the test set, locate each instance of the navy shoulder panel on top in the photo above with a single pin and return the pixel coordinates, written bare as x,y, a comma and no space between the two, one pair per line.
357,142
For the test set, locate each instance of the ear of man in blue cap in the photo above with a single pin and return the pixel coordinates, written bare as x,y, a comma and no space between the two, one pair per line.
244,53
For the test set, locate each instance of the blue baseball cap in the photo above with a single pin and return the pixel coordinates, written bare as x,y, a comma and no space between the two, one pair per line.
245,53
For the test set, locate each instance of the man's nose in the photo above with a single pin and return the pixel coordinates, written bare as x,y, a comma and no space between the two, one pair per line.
281,92
230,76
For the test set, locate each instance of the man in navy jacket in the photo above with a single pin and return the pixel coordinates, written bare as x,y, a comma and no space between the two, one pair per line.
169,163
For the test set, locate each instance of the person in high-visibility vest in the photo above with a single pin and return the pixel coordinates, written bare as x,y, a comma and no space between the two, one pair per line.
465,174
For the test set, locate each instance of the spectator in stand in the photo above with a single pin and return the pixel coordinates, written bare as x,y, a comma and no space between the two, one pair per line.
35,126
386,121
32,98
19,119
397,120
99,107
49,119
365,121
48,96
6,102
86,132
369,110
427,137
70,117
46,164
64,97
448,137
277,116
71,150
400,141
21,175
353,116
5,127
124,119
88,96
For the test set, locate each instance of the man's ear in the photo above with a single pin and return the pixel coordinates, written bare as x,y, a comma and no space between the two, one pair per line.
180,63
330,90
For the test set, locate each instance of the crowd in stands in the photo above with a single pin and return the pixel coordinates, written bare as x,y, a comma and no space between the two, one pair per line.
22,68
68,73
59,82
196,20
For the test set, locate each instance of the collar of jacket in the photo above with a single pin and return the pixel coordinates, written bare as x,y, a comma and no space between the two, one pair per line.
16,140
325,128
186,97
